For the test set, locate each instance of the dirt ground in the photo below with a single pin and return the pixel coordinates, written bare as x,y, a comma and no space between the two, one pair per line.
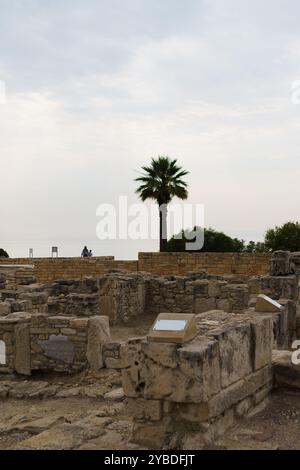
276,427
88,413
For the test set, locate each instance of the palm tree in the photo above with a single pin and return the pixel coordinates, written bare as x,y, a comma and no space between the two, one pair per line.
162,181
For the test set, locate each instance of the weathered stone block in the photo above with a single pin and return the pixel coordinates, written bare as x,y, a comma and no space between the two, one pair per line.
5,308
98,335
224,304
151,435
192,412
235,352
141,409
240,390
204,305
22,349
262,341
164,354
161,371
280,263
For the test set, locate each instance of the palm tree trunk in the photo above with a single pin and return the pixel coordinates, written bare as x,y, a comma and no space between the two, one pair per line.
163,242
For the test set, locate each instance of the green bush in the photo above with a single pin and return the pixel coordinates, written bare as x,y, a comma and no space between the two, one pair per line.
284,237
3,253
213,242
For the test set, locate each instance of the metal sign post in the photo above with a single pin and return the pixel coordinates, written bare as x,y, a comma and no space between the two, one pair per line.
55,251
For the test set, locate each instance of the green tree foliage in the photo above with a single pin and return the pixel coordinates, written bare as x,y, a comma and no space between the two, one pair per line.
284,237
3,253
213,242
255,247
161,181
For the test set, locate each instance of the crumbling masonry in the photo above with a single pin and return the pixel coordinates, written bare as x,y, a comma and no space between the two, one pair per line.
174,392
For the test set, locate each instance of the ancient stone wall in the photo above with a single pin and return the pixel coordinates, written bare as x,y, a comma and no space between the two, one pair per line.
14,332
59,344
122,297
119,295
13,275
241,264
51,269
237,264
196,293
203,385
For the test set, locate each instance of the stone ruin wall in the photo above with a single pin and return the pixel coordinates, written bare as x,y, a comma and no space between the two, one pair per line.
52,269
56,344
125,296
223,264
172,391
175,391
161,264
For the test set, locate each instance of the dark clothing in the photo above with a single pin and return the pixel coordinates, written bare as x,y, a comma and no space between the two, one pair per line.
85,252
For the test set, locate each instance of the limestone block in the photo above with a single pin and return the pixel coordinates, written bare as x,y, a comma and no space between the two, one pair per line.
131,357
262,341
238,294
214,289
244,406
280,263
266,304
279,287
204,305
280,331
254,286
98,335
82,304
291,312
295,263
115,395
201,358
21,306
79,323
150,435
240,390
235,352
113,363
140,409
201,287
164,354
192,412
224,304
22,349
263,393
5,308
189,374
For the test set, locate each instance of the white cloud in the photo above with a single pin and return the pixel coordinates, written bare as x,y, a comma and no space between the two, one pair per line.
92,94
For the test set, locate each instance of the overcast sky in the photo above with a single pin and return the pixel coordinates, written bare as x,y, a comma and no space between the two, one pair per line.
95,88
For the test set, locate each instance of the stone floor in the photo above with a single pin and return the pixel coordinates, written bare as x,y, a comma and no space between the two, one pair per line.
87,412
276,427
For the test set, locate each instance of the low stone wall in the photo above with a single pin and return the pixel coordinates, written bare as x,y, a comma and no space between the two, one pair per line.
197,294
240,264
59,344
51,269
285,290
237,264
13,275
122,297
204,385
14,333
